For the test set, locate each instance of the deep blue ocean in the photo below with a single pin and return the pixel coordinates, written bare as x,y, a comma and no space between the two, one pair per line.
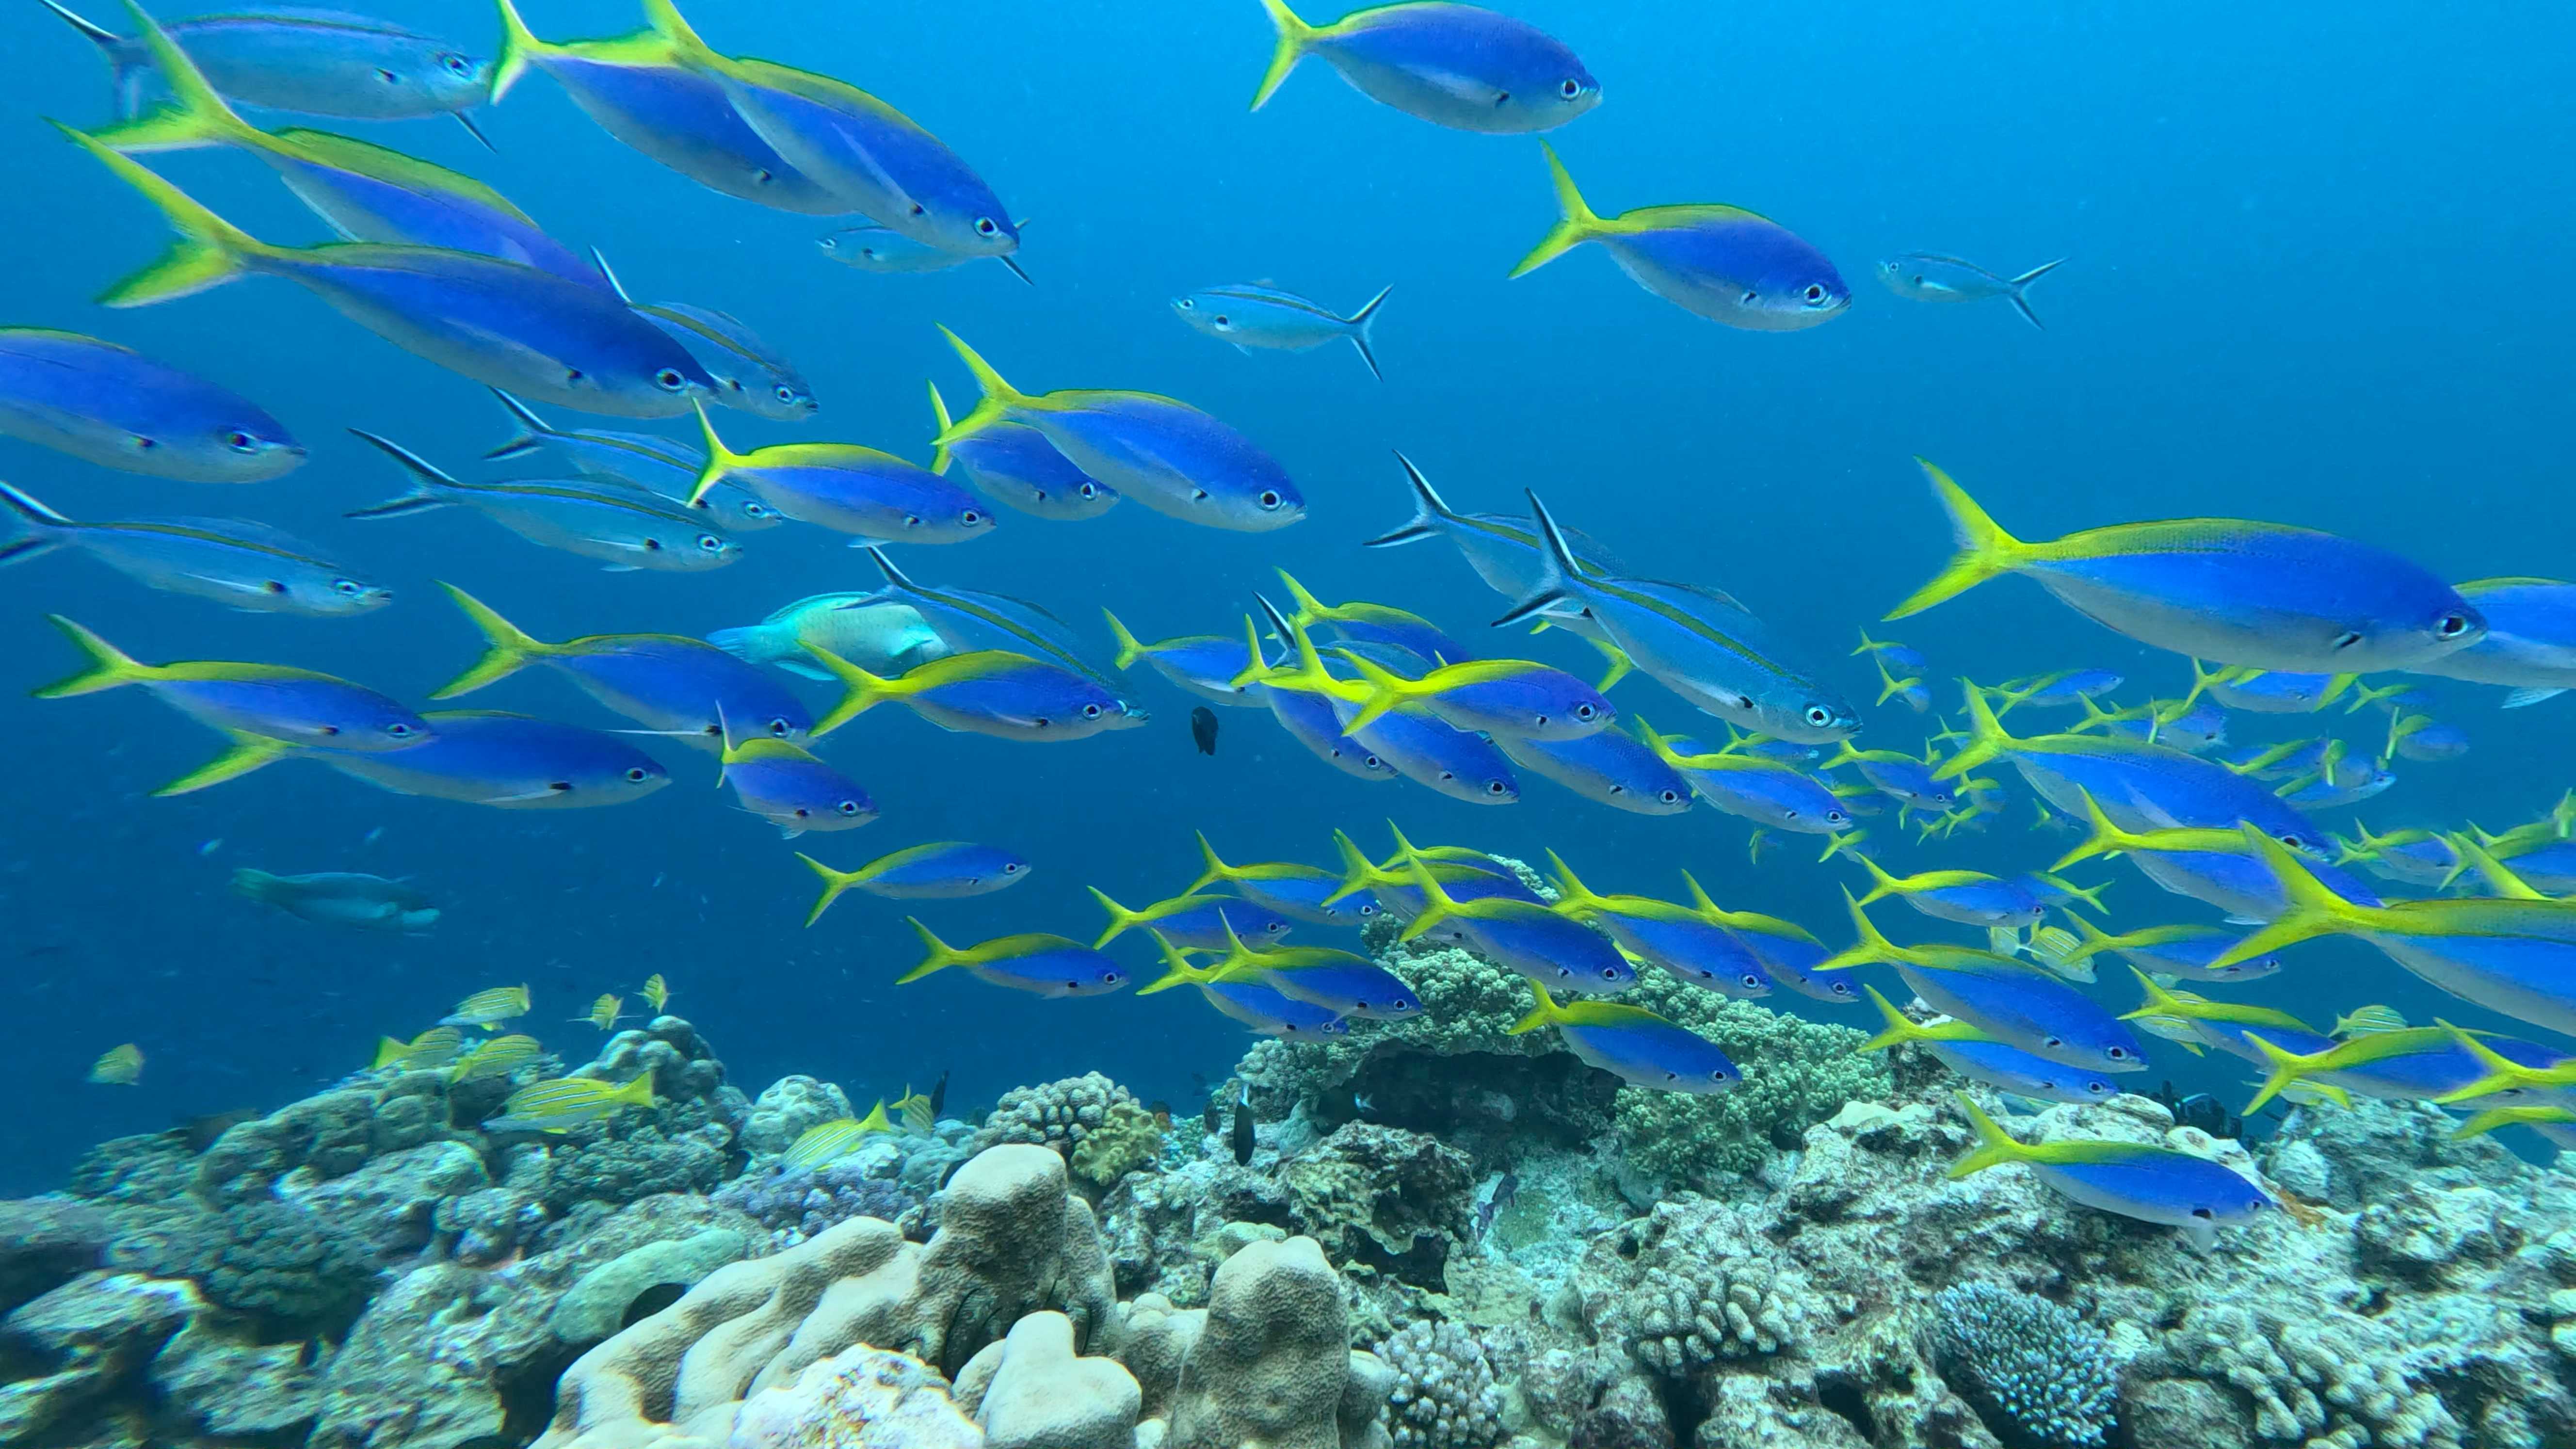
2316,274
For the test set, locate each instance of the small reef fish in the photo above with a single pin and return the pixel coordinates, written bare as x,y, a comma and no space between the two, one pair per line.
1453,65
883,249
1680,939
1240,1139
489,1008
1719,262
2263,595
230,561
1980,1058
2178,951
1968,897
2529,647
313,62
1193,922
655,464
1752,788
2407,1064
880,637
606,1012
986,692
749,374
294,705
1039,964
334,898
621,526
561,1104
657,992
1378,626
1506,552
499,1057
839,1137
1634,1045
2150,1184
1014,464
914,1110
1255,314
1609,766
1547,948
118,1066
787,786
873,497
944,870
435,1047
473,757
2195,1021
1338,982
1931,277
1164,453
1300,892
1203,729
2019,1005
1502,697
111,405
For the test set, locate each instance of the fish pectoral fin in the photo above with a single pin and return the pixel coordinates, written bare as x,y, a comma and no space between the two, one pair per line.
620,569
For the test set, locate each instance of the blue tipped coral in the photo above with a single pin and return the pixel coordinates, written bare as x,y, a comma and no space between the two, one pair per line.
2040,1375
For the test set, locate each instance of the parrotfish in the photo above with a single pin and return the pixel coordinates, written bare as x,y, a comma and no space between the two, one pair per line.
340,898
879,637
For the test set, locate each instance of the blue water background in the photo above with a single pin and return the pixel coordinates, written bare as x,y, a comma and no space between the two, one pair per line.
2316,276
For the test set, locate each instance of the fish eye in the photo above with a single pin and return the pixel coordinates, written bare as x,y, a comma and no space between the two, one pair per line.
1090,491
1091,711
2101,1088
1609,973
1113,977
2452,626
1669,796
457,64
398,730
783,393
984,226
1841,988
1494,787
1270,498
1012,868
636,773
669,379
971,517
780,727
238,441
1570,89
1819,716
2118,1054
348,588
849,807
1584,711
1368,911
711,543
1815,293
1836,817
1750,981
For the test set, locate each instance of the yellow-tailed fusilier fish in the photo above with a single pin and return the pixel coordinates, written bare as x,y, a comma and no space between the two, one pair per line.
944,870
986,692
435,1047
638,91
1610,767
623,527
672,685
750,374
340,898
1254,1003
2024,1006
564,1103
119,1066
1160,451
1013,463
2151,1184
874,497
500,323
1256,314
785,785
113,406
1501,697
473,757
294,705
878,160
313,62
1194,922
1684,940
498,1057
1723,263
1634,1045
1039,964
1931,277
1299,892
232,561
1453,65
657,465
365,192
1980,1058
489,1008
1206,665
1357,621
883,249
2265,595
1506,552
657,992
2530,643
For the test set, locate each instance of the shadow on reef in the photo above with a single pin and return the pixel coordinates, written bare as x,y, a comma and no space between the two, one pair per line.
1444,1237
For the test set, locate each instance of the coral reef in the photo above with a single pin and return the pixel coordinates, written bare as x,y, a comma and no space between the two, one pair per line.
1097,1125
2035,1366
1445,1395
859,1398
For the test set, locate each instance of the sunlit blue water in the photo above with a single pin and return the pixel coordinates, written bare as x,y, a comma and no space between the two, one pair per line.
2316,276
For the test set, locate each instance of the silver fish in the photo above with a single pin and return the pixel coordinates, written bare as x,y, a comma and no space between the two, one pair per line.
231,561
625,528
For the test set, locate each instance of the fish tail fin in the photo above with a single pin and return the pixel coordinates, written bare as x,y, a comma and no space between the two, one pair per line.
671,25
637,1093
720,459
248,752
939,459
2503,1071
860,690
1572,895
41,524
1387,689
510,649
1436,904
388,1050
1985,550
1575,223
2158,1002
1310,610
995,404
941,955
532,435
1882,885
1360,323
1358,871
519,47
2498,876
426,481
1430,514
2481,1123
2288,1068
2021,303
1120,918
109,666
1699,897
1545,1012
1872,947
1294,36
1177,970
1557,569
1217,870
196,115
2310,910
123,66
2103,839
1986,737
1129,650
1899,1028
210,251
834,882
1994,1148
2089,895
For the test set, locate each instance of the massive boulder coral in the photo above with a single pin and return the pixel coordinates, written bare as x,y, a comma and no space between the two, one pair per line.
1269,1360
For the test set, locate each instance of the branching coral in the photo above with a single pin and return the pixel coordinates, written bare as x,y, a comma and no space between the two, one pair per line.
2036,1366
1445,1396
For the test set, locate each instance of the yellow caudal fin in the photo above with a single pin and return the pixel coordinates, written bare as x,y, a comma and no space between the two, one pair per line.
509,648
2104,838
2503,1072
1985,550
1575,222
1217,870
1993,1149
1883,885
1899,1028
834,882
195,116
939,459
1177,970
860,690
2494,1117
1310,610
248,753
1986,737
1387,689
1129,651
668,23
1120,918
109,666
1257,671
941,957
998,398
720,459
1572,895
1871,949
1436,903
210,251
1294,36
1359,873
2312,909
637,1093
1547,1011
519,48
2288,1069
2498,877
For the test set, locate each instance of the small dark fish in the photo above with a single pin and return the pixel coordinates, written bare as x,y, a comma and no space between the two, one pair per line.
1203,729
1504,1191
938,1095
199,1133
1243,1129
